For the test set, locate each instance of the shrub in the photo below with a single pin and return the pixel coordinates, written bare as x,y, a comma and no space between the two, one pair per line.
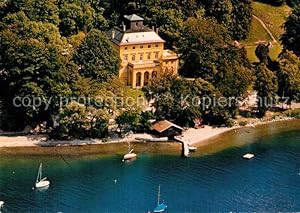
293,113
243,123
229,122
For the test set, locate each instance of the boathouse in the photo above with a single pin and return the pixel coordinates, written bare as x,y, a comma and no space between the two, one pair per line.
166,128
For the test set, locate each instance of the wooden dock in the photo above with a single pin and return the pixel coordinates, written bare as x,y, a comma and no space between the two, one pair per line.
185,146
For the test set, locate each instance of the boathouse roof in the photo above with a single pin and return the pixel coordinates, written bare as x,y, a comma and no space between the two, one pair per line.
163,125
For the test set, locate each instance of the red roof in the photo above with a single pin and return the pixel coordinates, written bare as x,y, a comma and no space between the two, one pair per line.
162,126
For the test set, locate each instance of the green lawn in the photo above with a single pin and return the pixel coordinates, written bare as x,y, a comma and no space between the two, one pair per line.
274,18
257,33
274,52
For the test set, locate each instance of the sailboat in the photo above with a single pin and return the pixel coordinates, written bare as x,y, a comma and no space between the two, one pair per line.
130,155
41,182
161,207
1,205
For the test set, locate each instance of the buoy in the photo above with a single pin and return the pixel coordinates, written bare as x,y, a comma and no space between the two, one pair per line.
1,204
116,181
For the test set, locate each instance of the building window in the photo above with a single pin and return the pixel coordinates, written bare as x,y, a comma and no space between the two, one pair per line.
156,55
149,56
133,57
133,47
156,45
146,78
141,47
149,46
126,57
138,79
125,48
141,57
154,74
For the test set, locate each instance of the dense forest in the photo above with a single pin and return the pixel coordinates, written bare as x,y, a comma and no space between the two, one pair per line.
58,48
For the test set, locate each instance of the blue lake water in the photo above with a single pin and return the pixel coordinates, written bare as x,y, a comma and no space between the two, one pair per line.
220,182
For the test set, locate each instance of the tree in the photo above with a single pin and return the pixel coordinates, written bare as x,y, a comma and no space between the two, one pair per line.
241,19
32,64
129,120
169,21
221,10
207,53
266,86
262,52
75,18
35,10
183,101
288,76
200,44
97,57
233,69
77,121
291,37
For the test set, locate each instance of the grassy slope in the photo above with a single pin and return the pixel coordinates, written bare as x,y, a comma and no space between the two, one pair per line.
273,17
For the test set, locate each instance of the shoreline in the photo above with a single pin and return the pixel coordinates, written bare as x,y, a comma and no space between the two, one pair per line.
209,133
204,137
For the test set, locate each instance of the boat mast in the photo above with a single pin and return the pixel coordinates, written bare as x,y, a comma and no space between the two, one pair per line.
39,175
158,195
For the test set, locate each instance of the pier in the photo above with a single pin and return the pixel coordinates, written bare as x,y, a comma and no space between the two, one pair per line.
185,146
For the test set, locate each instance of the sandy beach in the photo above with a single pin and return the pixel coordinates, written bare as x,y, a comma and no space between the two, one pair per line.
193,136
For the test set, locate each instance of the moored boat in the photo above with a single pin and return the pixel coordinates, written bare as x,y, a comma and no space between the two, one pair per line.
40,181
161,207
248,156
130,155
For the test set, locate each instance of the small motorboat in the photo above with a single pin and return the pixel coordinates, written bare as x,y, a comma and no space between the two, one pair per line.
130,155
161,207
1,204
40,181
248,156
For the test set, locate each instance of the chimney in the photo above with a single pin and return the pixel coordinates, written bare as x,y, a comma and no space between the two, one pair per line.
157,29
153,28
124,27
113,34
